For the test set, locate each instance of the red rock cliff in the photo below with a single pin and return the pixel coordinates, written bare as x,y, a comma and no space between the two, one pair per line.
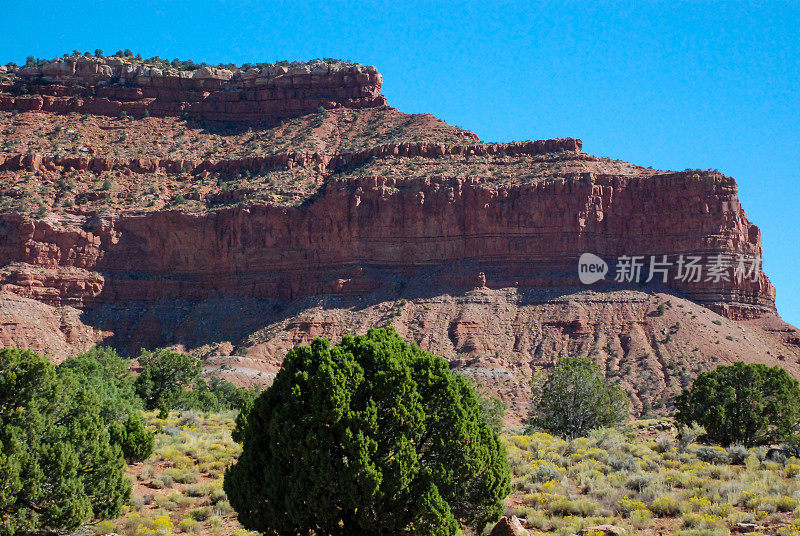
369,232
148,232
110,86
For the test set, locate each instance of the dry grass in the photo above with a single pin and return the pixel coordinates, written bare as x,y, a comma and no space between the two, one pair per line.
642,481
178,490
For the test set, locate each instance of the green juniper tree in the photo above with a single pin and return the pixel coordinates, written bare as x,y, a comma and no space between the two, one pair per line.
164,378
58,467
744,403
577,398
104,371
372,436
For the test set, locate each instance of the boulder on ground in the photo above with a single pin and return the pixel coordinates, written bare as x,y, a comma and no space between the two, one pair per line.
509,526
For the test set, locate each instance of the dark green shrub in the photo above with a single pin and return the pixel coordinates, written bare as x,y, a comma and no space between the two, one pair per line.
103,370
133,438
746,404
58,468
164,377
371,436
106,373
577,398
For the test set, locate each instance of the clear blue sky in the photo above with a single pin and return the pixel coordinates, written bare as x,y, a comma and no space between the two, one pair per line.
665,84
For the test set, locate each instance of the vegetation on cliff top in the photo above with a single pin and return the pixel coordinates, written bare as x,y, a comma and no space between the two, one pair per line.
183,65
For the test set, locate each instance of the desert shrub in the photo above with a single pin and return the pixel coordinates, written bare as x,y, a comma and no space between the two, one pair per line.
579,507
622,462
244,532
165,503
133,438
577,398
164,377
627,505
200,514
545,472
216,495
136,502
748,404
187,524
663,444
737,454
215,522
197,490
712,454
786,504
639,481
688,435
222,508
58,467
163,481
105,527
361,400
182,477
641,519
667,506
180,499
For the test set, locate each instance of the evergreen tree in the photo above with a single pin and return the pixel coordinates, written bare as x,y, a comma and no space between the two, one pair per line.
748,404
371,436
164,378
106,373
577,398
58,467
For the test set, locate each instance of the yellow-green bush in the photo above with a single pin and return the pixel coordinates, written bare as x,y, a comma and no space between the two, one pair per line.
667,506
105,527
579,507
187,524
641,519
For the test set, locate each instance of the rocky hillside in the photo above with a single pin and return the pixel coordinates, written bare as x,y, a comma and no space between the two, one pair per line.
236,212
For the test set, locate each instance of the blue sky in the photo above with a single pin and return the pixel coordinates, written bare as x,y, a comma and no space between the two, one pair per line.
665,84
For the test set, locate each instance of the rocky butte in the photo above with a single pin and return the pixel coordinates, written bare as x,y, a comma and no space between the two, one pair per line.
235,212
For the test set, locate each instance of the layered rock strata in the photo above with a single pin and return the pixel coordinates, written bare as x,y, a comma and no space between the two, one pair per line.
110,86
365,233
469,249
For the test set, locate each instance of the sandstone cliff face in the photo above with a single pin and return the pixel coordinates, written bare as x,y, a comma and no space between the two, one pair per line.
467,248
371,232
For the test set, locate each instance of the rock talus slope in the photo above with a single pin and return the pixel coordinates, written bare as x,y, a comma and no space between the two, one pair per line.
342,214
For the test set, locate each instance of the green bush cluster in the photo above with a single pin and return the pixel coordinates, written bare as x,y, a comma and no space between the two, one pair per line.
746,404
171,380
105,372
577,398
58,465
371,436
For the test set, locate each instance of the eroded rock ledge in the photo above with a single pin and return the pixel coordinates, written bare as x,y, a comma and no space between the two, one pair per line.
368,233
256,164
110,86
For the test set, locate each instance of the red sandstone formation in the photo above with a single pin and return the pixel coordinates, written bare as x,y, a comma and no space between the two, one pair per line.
109,86
468,249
